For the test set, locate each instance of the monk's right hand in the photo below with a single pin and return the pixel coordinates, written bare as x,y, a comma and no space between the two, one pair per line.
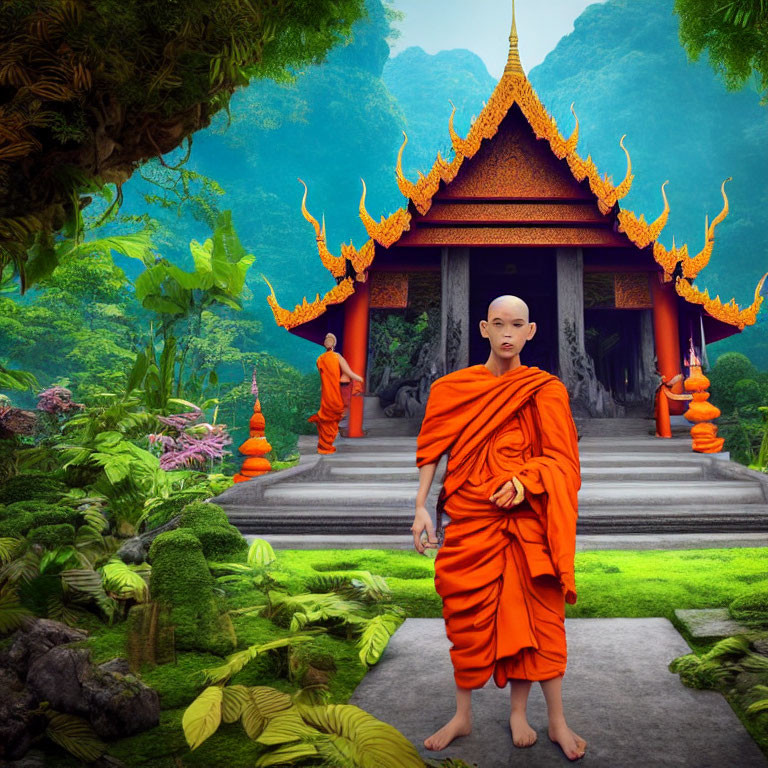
423,522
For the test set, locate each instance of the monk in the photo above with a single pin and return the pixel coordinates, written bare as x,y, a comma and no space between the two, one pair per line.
506,566
331,365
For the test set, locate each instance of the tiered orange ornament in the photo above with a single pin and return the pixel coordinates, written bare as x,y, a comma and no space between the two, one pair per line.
700,411
256,446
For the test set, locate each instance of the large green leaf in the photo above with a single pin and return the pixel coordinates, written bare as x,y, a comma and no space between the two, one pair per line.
9,548
374,744
261,706
234,698
203,716
12,612
375,637
75,735
286,755
122,580
284,728
136,245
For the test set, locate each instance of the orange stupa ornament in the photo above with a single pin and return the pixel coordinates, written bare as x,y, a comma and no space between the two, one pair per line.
703,432
256,446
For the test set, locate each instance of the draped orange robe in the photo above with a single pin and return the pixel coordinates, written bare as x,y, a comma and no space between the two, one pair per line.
331,403
504,574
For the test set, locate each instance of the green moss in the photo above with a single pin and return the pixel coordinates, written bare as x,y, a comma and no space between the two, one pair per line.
181,580
170,508
751,606
16,524
37,486
179,684
52,536
221,543
47,514
200,514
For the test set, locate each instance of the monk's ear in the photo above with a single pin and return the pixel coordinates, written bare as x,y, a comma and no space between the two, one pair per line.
532,330
483,326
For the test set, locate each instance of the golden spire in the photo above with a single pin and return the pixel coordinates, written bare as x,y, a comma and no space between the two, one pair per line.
514,67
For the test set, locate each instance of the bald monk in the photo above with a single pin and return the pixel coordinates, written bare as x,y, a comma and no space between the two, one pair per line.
506,566
331,365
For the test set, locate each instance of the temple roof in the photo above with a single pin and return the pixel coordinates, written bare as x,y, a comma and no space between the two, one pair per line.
514,89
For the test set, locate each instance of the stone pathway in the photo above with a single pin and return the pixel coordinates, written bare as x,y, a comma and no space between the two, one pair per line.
618,695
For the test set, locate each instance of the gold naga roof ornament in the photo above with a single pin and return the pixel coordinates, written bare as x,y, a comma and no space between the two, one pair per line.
336,265
307,311
690,265
730,312
390,229
639,231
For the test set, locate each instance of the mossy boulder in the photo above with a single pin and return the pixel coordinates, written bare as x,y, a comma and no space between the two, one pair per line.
210,524
200,514
15,525
35,486
44,513
751,607
52,536
170,508
182,581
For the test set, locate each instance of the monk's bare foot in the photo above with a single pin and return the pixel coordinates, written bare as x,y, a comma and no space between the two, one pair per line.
571,743
457,726
522,733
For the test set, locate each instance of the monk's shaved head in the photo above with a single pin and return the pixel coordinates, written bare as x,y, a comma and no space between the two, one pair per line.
330,340
507,303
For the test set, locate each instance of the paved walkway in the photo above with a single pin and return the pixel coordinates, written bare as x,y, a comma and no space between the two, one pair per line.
618,695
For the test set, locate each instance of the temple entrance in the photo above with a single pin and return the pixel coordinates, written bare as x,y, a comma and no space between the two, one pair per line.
613,339
529,273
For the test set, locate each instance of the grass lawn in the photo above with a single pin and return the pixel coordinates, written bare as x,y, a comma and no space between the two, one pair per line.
610,583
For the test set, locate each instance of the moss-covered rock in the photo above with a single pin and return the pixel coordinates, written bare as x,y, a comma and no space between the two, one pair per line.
16,524
171,507
200,514
181,580
221,543
35,486
752,606
52,536
209,522
44,513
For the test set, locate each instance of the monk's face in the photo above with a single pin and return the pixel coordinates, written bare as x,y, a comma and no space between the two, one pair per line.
507,327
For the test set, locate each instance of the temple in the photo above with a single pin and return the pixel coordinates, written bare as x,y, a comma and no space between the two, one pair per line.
518,211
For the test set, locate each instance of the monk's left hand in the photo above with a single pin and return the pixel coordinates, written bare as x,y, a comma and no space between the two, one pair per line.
509,495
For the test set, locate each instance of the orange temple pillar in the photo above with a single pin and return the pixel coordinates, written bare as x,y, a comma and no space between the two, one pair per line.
355,347
666,336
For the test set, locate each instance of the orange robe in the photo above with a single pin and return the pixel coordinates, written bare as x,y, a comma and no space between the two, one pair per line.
504,574
331,403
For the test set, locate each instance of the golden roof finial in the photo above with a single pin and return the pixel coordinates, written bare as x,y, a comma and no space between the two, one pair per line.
514,67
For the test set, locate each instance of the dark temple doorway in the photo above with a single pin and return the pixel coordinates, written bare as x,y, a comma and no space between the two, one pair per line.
525,272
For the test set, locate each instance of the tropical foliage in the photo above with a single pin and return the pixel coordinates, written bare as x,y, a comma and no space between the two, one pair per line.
93,88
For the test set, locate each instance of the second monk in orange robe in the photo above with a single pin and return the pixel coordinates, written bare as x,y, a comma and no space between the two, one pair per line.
506,567
331,365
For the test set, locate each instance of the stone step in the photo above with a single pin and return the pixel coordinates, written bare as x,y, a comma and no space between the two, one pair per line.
407,457
631,493
594,520
395,473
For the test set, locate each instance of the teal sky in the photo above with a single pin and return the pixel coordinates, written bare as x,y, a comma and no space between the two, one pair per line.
483,27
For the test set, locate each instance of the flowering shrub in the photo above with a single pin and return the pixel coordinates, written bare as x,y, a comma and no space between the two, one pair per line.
191,444
57,400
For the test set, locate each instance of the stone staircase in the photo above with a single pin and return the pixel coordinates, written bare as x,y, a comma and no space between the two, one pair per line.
632,483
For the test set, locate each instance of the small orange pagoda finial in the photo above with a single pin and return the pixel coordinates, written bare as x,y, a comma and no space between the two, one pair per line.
513,67
256,446
703,431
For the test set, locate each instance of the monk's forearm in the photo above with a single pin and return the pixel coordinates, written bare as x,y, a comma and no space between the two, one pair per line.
426,474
